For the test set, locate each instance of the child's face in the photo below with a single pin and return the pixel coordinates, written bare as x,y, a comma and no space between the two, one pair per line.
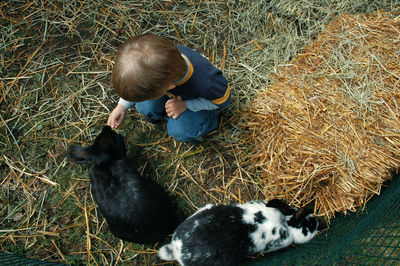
163,91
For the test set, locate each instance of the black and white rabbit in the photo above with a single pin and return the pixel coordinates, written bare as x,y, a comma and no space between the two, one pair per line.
227,234
136,209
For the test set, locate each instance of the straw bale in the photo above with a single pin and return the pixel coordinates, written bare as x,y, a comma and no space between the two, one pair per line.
327,130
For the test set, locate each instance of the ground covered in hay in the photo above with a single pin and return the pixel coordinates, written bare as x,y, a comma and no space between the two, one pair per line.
56,58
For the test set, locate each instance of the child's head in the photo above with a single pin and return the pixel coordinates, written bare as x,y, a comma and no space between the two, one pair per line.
145,67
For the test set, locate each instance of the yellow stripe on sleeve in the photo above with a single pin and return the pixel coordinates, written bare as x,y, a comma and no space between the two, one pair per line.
223,98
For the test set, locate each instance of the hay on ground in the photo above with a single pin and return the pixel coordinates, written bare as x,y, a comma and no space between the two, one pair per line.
328,128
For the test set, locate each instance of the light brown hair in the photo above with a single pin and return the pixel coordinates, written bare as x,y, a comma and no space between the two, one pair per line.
144,66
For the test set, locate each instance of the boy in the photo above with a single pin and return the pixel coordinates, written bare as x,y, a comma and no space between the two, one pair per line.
149,67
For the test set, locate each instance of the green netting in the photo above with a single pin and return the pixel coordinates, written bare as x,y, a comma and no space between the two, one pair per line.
10,259
368,237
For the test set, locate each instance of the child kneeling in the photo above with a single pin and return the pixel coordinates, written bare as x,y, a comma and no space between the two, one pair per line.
163,79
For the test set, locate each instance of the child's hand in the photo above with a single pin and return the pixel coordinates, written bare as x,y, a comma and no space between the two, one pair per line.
116,116
175,107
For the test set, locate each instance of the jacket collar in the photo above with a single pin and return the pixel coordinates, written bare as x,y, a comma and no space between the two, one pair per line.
188,73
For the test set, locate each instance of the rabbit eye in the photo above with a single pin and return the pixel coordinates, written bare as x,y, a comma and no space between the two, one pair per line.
259,217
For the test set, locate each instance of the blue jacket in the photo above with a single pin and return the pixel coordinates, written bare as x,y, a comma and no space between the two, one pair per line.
202,80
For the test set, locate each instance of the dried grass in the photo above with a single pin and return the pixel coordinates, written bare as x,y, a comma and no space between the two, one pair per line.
55,61
327,130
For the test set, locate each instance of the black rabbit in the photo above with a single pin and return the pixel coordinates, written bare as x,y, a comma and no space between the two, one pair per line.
136,209
227,234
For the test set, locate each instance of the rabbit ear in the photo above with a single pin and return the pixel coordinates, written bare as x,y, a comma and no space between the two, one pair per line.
298,217
106,130
281,206
299,213
103,142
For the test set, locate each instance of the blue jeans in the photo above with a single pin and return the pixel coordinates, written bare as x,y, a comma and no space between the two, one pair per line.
187,127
